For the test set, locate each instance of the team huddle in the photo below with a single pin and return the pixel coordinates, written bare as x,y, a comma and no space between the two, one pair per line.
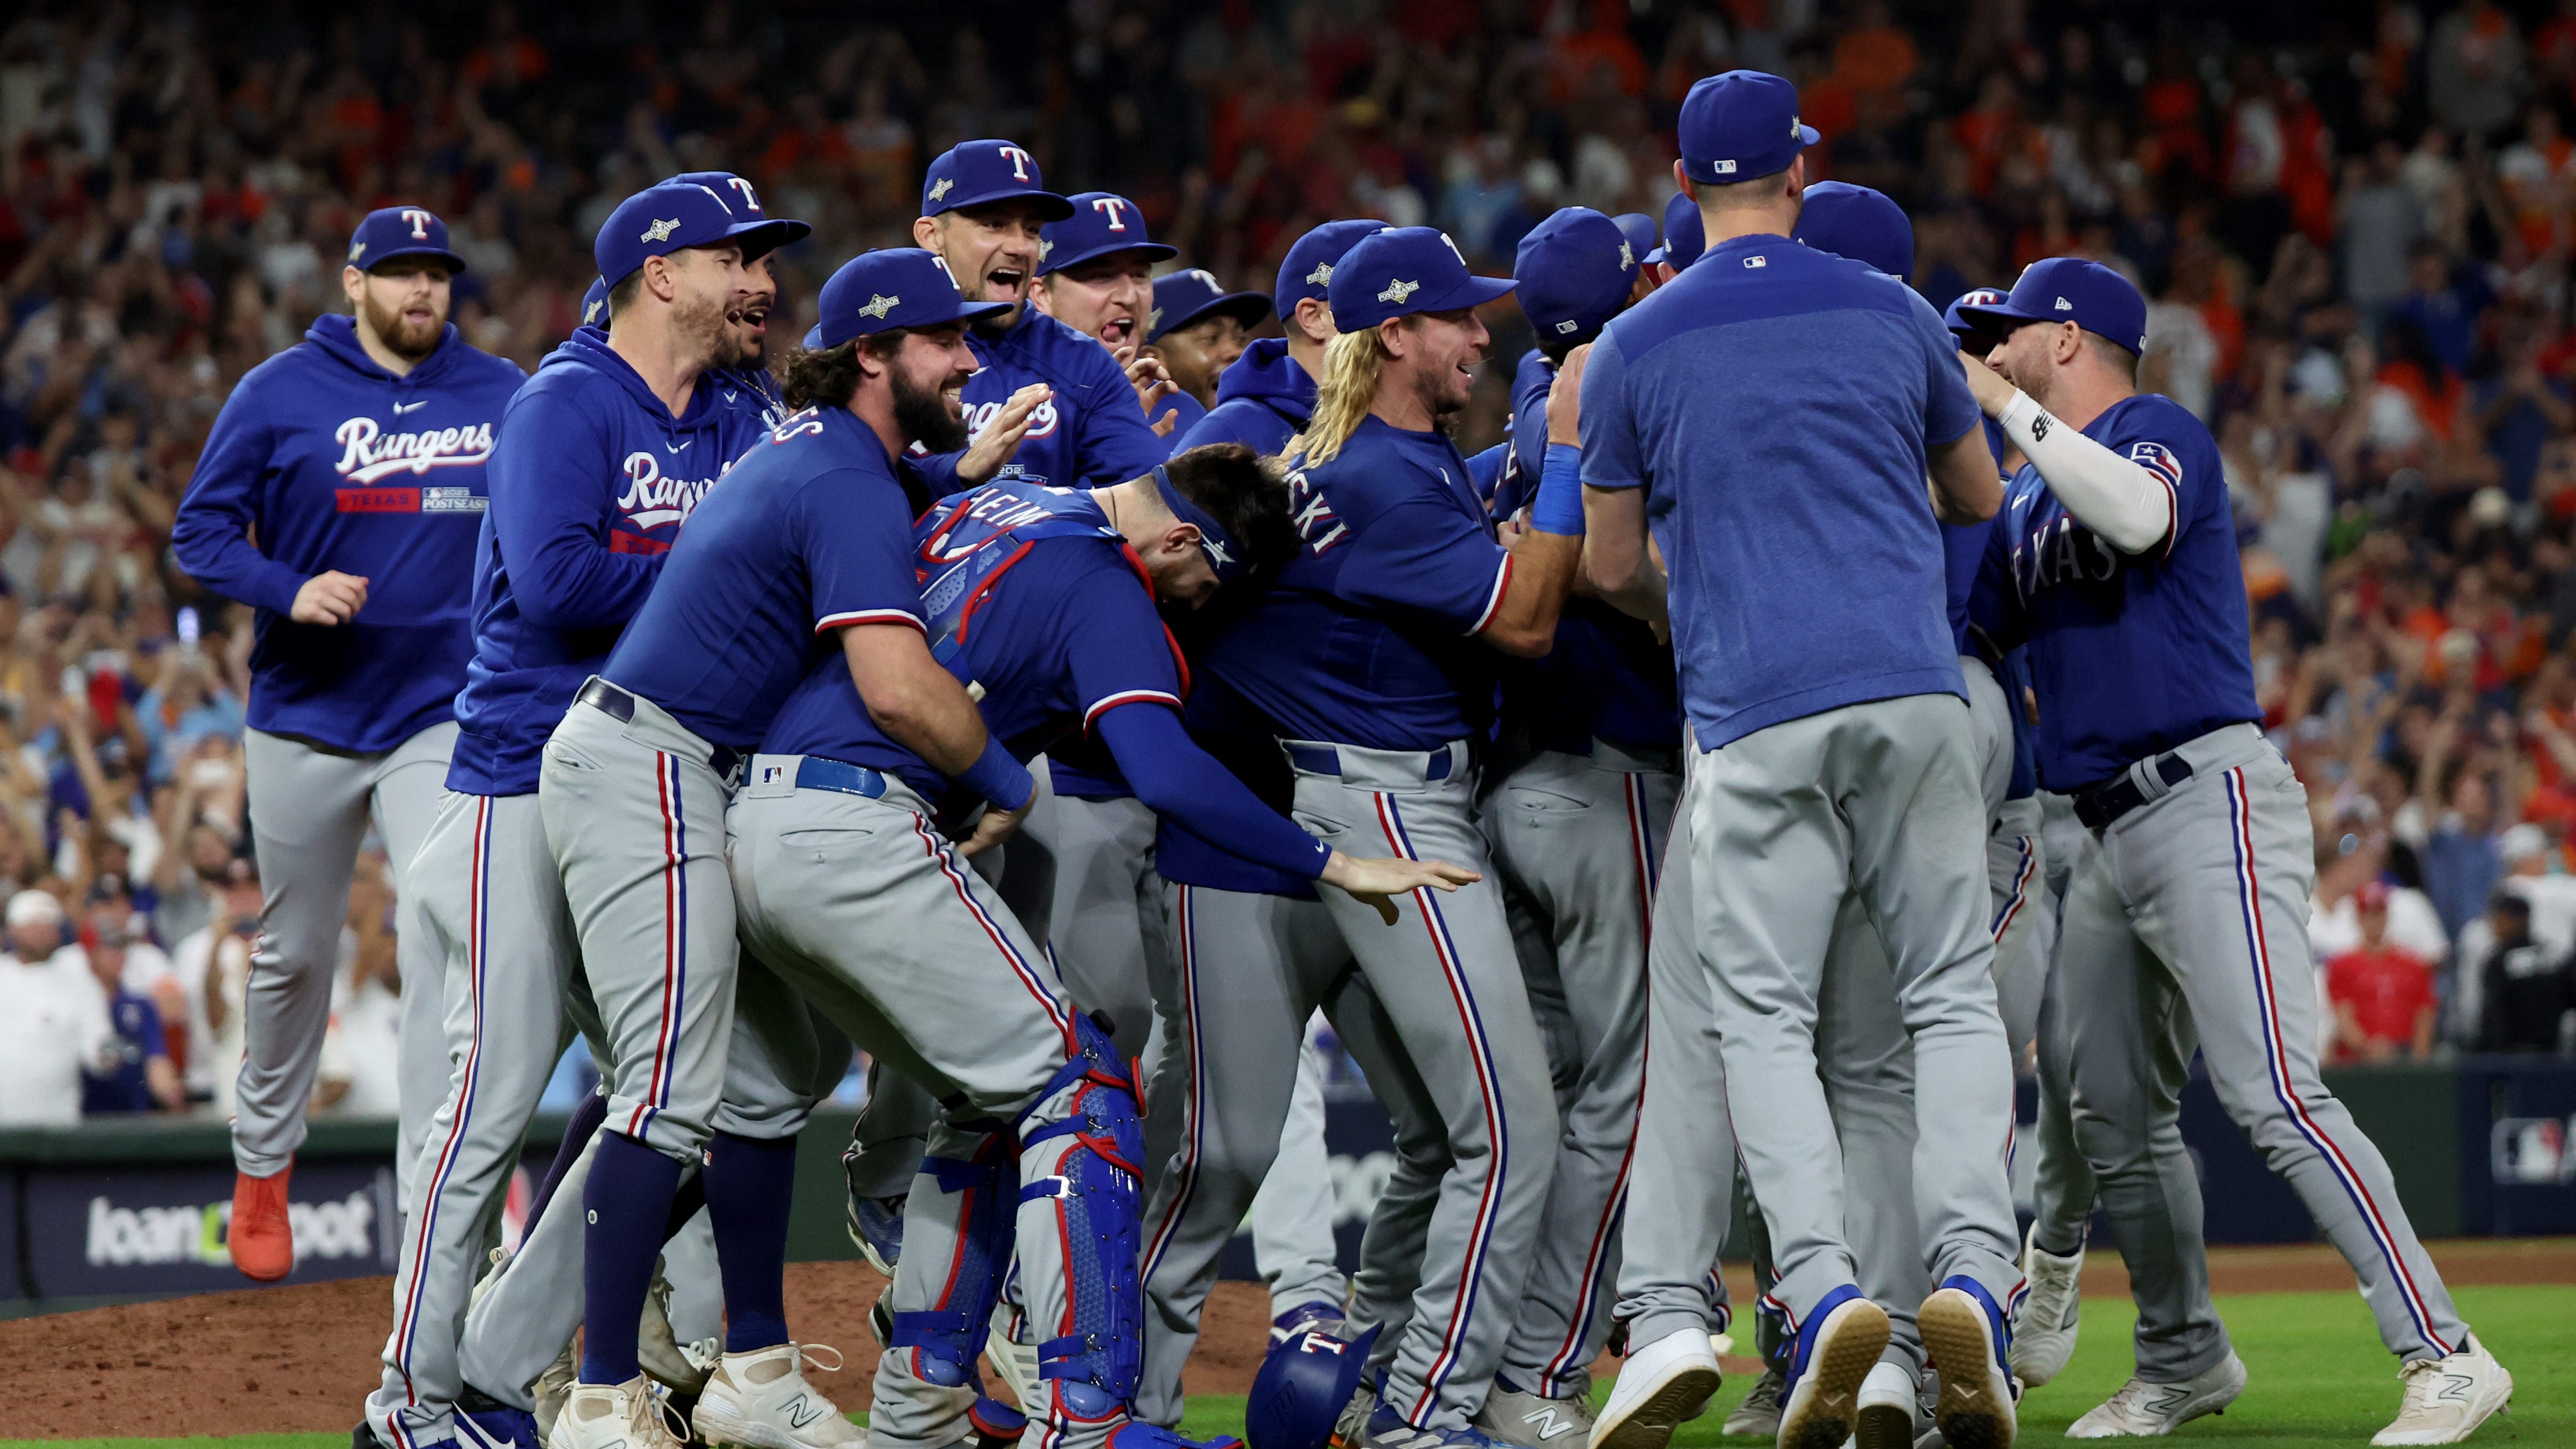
1816,706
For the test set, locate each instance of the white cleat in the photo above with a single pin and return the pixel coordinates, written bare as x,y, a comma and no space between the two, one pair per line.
1534,1421
630,1415
1822,1403
1659,1386
2446,1399
762,1400
2043,1336
554,1389
2141,1410
1959,1337
1884,1418
659,1352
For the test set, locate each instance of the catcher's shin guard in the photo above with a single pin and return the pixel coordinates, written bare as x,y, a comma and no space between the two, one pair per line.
1088,1163
945,1340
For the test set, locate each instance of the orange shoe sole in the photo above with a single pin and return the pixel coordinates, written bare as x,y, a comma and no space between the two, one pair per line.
262,1236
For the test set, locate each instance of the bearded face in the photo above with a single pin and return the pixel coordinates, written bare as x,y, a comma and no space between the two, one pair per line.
404,303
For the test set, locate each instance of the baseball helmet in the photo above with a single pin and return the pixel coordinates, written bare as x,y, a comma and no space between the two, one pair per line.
1305,1382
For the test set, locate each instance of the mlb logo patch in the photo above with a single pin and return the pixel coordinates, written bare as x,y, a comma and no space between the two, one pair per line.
1722,168
1756,261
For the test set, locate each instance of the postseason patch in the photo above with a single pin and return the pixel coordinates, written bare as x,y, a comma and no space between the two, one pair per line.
451,500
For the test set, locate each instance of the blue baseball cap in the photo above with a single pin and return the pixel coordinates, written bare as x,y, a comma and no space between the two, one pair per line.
1685,236
1639,229
594,304
400,231
660,220
1192,296
736,193
1401,270
888,291
2069,289
1307,270
1103,224
1305,1382
1955,317
972,173
1575,271
1856,222
1740,125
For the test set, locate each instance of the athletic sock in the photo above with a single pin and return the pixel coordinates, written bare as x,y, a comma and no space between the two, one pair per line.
750,1183
577,1134
626,1198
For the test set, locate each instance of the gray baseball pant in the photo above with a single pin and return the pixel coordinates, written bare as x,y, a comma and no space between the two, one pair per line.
309,811
1578,840
1681,1194
1097,859
1883,797
2195,905
2062,1187
859,904
1293,1214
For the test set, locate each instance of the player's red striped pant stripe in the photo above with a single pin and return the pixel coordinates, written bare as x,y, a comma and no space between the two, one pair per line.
1471,1269
675,924
477,917
1194,1109
1037,987
2020,895
2240,809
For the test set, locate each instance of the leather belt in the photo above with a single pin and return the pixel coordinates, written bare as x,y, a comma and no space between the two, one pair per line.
618,705
2098,805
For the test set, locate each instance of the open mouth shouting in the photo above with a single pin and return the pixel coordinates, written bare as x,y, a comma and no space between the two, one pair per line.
1120,330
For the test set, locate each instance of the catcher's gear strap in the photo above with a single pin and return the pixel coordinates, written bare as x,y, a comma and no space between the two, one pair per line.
945,1340
1097,1358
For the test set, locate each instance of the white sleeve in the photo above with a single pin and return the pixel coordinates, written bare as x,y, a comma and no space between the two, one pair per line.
2111,495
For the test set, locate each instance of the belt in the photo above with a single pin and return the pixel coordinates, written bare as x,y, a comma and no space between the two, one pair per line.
618,705
814,772
1322,760
2099,804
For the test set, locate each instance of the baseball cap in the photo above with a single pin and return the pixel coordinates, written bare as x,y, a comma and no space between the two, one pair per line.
400,231
2522,841
594,304
1307,270
1856,222
890,290
660,220
740,199
1639,229
1955,315
1740,125
2372,895
1575,270
1191,296
2069,289
972,173
1685,236
1103,223
1401,270
34,908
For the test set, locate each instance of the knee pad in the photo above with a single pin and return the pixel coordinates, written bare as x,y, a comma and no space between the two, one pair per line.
946,1340
1097,1366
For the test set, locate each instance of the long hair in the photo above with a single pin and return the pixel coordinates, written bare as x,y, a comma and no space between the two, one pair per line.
1348,389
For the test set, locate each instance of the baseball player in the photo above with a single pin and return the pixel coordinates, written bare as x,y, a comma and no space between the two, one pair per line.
1199,329
338,496
1264,397
1374,656
1684,239
1835,745
2190,900
1096,276
1577,821
558,571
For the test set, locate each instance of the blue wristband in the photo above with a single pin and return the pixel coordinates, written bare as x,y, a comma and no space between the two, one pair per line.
999,778
1558,506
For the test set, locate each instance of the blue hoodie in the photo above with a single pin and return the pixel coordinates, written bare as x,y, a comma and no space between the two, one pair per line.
335,463
591,478
1091,434
1262,399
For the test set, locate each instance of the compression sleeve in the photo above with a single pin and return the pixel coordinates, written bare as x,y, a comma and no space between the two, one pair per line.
2109,494
1177,779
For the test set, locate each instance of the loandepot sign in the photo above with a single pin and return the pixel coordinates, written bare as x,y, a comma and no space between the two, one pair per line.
123,1237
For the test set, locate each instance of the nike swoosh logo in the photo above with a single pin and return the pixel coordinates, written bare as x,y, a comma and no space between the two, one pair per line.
667,448
402,408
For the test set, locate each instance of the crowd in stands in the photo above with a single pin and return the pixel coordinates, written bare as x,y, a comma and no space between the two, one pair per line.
2354,223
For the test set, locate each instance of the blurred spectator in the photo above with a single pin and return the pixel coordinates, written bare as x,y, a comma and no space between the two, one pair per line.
139,1075
213,964
2382,994
2476,69
2527,988
56,1029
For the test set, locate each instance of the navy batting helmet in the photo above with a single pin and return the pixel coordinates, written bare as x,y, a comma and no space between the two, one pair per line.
1304,1384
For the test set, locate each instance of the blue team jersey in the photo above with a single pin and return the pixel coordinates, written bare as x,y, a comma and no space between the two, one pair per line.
322,460
1963,551
1262,399
127,1087
2131,654
811,532
1187,415
1368,637
1090,434
1778,405
591,477
1607,678
1057,639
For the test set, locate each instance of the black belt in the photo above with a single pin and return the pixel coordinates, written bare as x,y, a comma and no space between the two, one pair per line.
2100,804
618,705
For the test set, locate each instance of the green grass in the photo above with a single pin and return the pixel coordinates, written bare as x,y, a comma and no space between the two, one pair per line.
2319,1378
